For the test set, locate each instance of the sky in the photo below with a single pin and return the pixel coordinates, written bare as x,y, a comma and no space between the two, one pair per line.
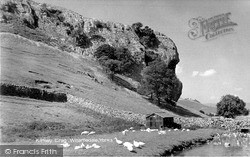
208,69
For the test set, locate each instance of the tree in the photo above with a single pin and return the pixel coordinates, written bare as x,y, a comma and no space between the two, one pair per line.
146,35
231,106
114,60
159,80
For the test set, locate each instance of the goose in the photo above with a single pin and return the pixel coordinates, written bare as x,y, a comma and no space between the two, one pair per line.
85,132
124,132
136,144
175,129
130,148
141,143
118,141
95,146
82,145
187,130
65,144
148,130
92,132
128,145
88,146
78,147
161,132
131,128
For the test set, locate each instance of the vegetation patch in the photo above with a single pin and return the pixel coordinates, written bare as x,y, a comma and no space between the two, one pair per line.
101,25
146,36
231,106
159,81
96,37
34,93
114,60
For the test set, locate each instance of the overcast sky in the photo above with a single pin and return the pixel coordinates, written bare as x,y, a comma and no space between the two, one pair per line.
208,69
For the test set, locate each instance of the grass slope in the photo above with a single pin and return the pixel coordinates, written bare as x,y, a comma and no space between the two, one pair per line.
32,64
195,107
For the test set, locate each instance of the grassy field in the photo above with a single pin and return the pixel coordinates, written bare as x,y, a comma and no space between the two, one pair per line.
24,120
155,144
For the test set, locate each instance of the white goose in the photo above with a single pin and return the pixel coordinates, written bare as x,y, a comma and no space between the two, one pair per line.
88,146
65,144
95,146
85,132
129,146
80,147
136,144
118,141
92,132
141,143
124,131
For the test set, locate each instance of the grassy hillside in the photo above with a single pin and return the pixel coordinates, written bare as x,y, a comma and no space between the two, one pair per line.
32,64
195,106
35,65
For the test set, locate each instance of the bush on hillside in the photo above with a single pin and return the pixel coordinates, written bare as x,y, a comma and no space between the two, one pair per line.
9,7
150,56
81,39
96,37
34,93
231,106
116,60
101,25
146,36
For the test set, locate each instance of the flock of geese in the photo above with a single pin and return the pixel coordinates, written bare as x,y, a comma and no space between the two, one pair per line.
128,145
232,139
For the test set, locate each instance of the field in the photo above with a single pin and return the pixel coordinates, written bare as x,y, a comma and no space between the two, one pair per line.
24,120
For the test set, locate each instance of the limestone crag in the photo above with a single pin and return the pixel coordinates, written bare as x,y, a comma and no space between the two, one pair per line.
74,33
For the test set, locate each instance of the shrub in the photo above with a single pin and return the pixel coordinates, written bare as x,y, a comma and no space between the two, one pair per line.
146,35
116,60
201,111
231,106
97,38
81,39
150,56
101,25
9,7
34,93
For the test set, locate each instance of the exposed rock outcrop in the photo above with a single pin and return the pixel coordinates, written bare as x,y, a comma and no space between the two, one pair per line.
72,32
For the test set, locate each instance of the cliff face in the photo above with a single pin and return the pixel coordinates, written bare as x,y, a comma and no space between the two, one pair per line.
72,32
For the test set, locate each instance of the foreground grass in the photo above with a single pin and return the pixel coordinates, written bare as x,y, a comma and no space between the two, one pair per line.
24,120
155,144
